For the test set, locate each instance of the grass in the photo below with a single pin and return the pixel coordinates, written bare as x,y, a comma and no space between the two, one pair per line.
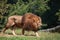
43,36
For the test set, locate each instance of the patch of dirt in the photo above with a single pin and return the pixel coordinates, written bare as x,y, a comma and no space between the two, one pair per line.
11,35
5,35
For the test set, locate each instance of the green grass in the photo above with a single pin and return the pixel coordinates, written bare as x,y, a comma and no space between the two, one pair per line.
43,36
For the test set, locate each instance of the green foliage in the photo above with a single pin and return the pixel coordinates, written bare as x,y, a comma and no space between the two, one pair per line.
36,6
39,7
58,14
3,10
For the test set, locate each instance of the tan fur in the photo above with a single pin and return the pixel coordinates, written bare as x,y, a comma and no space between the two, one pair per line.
28,21
31,22
12,22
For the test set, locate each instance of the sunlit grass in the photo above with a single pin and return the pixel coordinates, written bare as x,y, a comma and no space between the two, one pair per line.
43,36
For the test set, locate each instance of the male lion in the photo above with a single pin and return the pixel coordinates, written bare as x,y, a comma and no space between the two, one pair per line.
31,22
